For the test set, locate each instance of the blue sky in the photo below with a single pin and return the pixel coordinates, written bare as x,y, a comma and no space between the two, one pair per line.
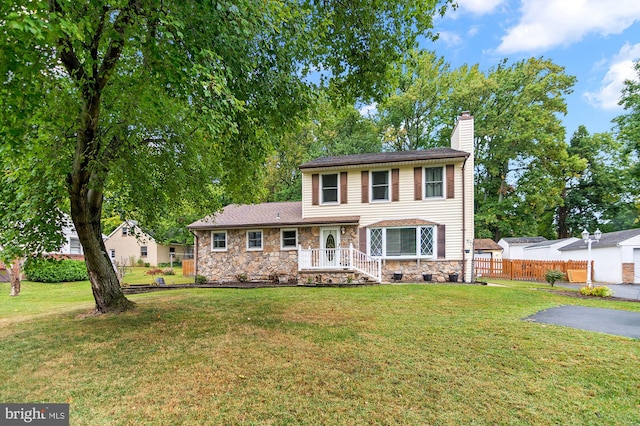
596,41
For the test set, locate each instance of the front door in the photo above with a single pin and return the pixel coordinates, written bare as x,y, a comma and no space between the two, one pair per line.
329,242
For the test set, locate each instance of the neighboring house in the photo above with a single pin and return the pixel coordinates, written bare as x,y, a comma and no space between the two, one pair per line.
547,250
616,257
486,248
514,247
72,245
127,244
365,216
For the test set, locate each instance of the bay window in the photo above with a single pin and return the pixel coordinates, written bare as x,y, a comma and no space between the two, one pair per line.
402,242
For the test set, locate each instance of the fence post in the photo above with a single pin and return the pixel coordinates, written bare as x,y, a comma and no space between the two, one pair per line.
351,255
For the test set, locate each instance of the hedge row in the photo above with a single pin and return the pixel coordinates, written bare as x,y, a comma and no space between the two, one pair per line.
55,271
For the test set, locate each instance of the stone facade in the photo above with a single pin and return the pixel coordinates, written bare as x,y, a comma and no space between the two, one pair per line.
273,263
270,263
413,270
628,273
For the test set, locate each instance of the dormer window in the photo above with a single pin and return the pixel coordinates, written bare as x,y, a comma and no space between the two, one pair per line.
329,188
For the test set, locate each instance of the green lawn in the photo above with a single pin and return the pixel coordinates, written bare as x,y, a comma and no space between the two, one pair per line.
406,354
139,275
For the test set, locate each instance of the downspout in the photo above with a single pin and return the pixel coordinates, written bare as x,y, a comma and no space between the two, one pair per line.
464,222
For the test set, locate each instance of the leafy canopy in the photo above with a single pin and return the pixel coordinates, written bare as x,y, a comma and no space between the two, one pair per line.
152,101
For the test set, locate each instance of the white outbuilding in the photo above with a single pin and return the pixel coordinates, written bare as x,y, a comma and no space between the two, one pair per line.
616,256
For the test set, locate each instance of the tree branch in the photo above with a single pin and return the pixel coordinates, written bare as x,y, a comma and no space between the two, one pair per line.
116,46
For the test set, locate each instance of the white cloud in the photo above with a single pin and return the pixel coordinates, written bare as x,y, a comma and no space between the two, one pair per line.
480,7
449,38
473,30
620,69
545,24
368,110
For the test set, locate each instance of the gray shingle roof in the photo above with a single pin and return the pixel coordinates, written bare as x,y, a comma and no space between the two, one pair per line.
610,239
524,240
547,243
266,214
385,157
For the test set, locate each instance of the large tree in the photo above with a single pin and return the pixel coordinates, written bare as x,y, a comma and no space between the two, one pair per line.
519,139
628,129
419,113
151,100
330,129
598,190
519,145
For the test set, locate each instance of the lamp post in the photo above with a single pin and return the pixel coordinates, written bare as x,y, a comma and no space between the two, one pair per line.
588,240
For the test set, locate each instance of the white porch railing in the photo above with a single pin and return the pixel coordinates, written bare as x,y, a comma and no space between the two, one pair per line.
339,259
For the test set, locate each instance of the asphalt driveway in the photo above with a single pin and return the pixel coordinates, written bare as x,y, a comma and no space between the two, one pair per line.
609,321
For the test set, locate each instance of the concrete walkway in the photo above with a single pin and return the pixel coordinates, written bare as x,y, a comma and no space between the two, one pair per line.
609,321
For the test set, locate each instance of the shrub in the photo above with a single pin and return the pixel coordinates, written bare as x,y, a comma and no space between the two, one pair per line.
140,262
600,291
242,278
168,271
49,270
201,279
553,275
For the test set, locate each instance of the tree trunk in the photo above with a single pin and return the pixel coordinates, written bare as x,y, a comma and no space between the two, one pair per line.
563,214
14,275
86,209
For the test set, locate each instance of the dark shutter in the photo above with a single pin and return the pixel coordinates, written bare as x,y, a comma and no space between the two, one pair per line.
395,184
441,241
364,178
315,189
450,187
362,239
343,187
417,183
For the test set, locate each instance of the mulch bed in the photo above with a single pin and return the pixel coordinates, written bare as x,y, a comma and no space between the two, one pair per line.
576,294
138,288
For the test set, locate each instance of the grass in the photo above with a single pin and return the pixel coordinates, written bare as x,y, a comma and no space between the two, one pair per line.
409,354
138,275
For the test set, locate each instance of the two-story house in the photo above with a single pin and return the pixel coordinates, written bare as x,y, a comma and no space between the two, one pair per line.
379,217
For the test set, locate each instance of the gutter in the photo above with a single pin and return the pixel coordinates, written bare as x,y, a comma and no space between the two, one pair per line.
195,254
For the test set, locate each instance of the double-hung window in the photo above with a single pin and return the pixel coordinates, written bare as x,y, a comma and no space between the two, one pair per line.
402,242
380,185
433,182
254,240
218,240
74,246
289,239
330,188
143,251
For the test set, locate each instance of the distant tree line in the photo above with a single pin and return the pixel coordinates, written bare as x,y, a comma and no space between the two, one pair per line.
529,180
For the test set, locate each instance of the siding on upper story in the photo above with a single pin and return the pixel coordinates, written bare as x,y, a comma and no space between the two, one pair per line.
441,210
